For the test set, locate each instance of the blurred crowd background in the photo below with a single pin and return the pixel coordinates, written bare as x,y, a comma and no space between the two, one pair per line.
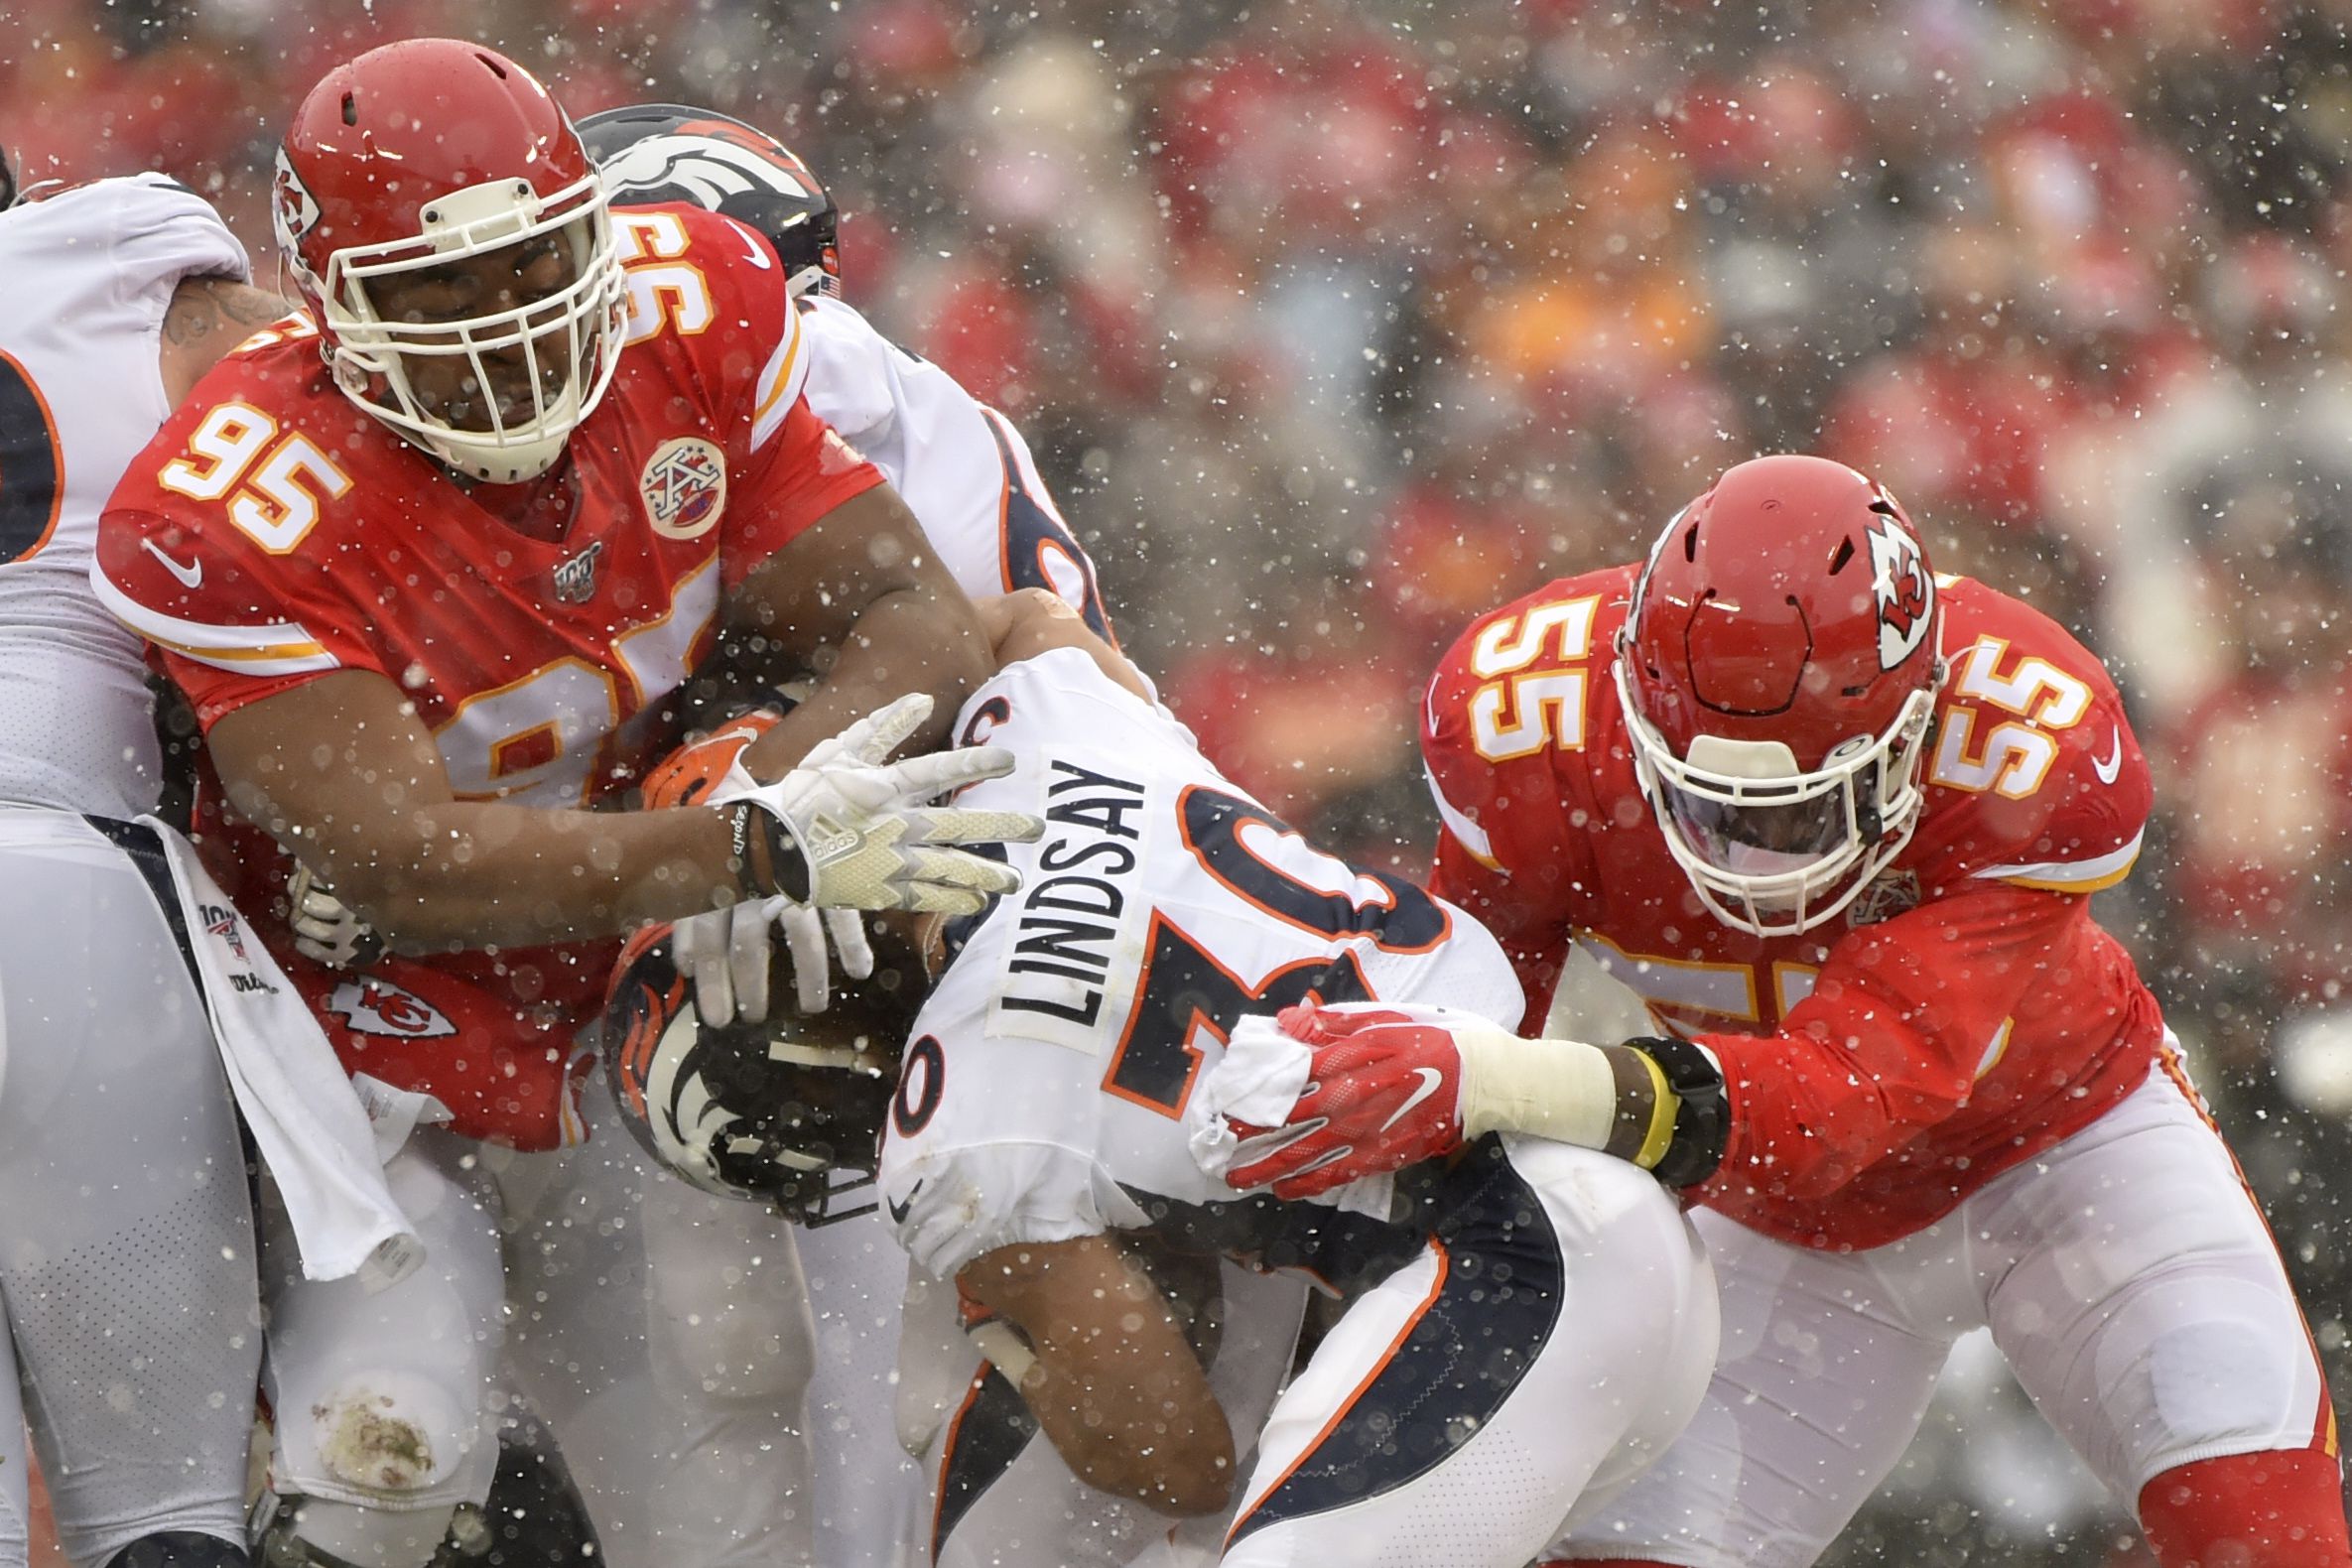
1334,324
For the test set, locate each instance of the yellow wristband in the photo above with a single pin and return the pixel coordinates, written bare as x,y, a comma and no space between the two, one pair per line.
1662,1107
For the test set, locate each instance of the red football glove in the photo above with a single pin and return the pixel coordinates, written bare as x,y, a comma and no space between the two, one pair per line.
1383,1092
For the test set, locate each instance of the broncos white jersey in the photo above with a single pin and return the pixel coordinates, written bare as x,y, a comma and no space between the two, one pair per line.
1045,1079
959,464
90,273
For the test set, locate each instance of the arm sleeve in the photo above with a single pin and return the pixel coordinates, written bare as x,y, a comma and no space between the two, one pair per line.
1507,852
1900,1021
786,467
1535,941
848,383
953,1205
793,480
237,634
163,232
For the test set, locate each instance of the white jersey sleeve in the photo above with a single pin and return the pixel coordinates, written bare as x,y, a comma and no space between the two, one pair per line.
91,272
961,466
1044,1088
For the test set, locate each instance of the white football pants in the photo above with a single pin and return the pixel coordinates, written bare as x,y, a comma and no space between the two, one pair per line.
126,1240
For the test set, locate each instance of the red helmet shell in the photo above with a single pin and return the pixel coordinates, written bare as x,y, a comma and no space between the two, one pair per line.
406,124
1793,601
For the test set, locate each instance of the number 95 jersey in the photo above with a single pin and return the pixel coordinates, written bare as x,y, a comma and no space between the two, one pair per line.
1044,1083
274,532
1963,1014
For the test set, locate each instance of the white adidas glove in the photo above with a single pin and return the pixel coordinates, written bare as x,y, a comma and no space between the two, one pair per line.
848,830
726,954
325,929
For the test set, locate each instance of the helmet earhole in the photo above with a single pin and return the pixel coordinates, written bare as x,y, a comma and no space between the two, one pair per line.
350,108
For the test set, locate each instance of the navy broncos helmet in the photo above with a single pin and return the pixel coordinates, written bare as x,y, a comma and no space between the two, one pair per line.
652,153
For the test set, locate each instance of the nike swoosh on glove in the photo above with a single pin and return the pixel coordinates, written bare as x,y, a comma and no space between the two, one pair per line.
862,832
1383,1092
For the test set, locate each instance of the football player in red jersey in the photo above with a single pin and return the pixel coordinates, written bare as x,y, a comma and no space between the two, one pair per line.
432,564
1837,820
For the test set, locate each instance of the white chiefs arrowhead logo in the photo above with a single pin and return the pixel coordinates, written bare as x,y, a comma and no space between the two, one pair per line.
1901,588
294,212
375,1007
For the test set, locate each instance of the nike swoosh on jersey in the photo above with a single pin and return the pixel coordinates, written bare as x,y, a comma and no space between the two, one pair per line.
900,1210
2108,767
189,575
1430,1079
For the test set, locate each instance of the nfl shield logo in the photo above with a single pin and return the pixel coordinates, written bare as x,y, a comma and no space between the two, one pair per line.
684,484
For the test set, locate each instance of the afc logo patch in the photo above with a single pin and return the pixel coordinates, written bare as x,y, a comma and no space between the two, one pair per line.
375,1007
684,484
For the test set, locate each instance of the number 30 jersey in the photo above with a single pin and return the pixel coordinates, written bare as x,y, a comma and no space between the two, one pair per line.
1044,1084
1963,1014
90,273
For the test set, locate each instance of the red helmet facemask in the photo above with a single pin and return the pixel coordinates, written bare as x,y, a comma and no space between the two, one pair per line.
432,159
1778,674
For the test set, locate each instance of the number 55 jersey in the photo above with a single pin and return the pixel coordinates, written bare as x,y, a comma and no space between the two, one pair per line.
1963,1014
1044,1086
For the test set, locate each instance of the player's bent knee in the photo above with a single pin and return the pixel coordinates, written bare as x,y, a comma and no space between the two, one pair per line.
2278,1508
180,1549
390,1435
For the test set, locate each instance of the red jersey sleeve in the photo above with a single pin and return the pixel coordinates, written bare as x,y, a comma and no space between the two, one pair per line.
225,634
2037,780
803,473
787,467
1504,728
234,610
1904,1019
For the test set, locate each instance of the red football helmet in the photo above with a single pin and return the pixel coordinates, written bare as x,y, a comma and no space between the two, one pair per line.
415,157
1779,674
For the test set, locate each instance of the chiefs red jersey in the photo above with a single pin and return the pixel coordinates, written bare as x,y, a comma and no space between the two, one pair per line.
274,532
1961,1016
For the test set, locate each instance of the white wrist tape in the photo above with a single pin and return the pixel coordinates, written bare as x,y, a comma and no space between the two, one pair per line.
1562,1090
1000,1343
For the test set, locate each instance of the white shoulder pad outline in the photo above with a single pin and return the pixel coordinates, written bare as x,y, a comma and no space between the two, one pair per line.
2070,877
781,379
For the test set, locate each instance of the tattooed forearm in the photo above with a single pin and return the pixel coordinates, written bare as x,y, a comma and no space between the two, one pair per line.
208,317
205,306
